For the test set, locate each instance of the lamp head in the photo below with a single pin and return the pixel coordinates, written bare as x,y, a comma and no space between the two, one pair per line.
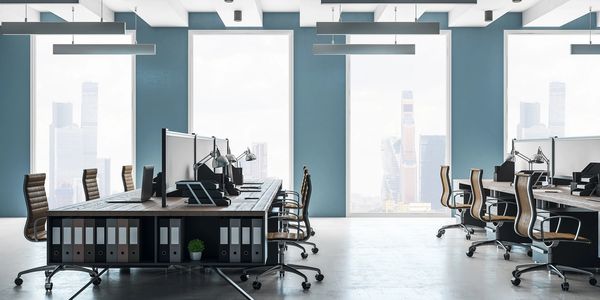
231,158
219,161
250,156
539,157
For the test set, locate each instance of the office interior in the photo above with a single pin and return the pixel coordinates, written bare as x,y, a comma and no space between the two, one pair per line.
299,149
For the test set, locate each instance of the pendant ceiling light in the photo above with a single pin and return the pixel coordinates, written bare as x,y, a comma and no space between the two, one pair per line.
106,49
586,49
28,28
399,1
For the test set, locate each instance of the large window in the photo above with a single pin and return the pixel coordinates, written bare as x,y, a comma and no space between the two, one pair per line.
550,92
82,116
241,89
398,126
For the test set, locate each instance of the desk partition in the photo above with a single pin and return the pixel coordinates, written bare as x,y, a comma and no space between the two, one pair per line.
178,158
529,148
574,154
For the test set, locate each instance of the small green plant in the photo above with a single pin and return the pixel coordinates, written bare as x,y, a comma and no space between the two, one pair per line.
196,245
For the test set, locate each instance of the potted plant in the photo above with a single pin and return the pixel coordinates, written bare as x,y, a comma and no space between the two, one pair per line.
195,247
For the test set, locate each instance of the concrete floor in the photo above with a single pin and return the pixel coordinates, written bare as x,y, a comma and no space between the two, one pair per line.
362,258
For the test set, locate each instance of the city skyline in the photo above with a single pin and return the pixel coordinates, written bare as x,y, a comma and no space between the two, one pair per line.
530,125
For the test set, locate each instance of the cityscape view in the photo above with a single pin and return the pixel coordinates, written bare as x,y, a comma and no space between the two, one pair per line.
530,125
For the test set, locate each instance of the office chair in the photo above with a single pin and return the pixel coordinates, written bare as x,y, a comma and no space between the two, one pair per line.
282,238
448,200
524,226
35,228
90,184
479,211
127,176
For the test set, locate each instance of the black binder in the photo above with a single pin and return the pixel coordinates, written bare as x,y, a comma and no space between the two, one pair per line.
163,240
56,245
100,246
246,241
89,255
223,240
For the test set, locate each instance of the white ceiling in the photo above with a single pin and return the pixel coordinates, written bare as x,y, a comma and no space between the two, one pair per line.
174,13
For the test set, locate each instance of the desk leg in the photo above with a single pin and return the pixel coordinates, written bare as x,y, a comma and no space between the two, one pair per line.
88,284
233,284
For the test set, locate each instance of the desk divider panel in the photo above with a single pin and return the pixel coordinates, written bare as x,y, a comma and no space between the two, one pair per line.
529,148
574,154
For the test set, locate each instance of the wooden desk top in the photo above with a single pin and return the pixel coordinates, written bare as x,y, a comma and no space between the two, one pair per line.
563,197
176,206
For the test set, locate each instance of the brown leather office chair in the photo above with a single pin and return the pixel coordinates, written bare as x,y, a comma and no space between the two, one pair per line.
127,176
35,227
284,237
525,227
448,200
480,210
90,184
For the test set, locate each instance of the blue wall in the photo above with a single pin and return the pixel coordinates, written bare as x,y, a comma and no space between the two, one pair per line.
319,101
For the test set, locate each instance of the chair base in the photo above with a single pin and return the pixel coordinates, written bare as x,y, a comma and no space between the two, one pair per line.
50,271
282,268
504,245
558,270
466,229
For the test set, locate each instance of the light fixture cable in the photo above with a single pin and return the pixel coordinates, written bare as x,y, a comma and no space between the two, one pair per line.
395,20
72,20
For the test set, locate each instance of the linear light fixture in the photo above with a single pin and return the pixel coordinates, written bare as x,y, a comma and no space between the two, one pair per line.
105,49
342,28
398,1
39,1
378,49
585,49
26,28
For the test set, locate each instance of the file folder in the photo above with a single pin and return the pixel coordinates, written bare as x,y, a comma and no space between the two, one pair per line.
67,237
89,255
234,240
134,243
56,245
100,246
175,238
123,254
246,253
223,240
78,247
111,240
163,240
258,235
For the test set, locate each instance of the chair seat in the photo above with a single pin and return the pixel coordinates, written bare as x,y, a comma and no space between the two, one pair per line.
460,206
497,218
289,236
41,236
292,218
559,236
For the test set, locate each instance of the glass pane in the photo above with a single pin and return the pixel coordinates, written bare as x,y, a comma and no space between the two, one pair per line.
241,91
549,91
398,126
82,116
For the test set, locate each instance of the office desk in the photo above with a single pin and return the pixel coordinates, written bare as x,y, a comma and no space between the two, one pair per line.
197,222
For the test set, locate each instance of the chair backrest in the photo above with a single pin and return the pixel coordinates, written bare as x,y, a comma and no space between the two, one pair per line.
446,187
90,184
127,176
37,206
526,212
306,193
477,194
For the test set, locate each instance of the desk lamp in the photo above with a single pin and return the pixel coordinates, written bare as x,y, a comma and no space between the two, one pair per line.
219,161
541,158
249,156
514,153
230,157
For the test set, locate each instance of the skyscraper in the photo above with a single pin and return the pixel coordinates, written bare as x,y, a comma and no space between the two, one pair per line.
89,123
432,154
391,155
556,108
530,126
409,153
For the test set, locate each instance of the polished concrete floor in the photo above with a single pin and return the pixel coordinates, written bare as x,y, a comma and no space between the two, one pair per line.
362,258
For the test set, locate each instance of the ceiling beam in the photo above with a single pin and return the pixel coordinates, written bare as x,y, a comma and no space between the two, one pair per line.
555,13
404,12
473,15
311,12
85,10
16,13
160,13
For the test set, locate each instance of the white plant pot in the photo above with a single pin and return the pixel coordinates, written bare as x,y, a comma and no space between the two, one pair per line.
196,256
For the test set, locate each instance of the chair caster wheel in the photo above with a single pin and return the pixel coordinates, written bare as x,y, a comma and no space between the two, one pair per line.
304,255
256,285
593,281
97,281
306,286
515,281
468,237
508,248
315,250
529,252
515,274
319,277
469,253
564,286
244,277
472,231
440,233
312,233
48,286
506,256
18,281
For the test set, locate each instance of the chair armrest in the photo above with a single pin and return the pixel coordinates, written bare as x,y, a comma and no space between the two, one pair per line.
558,225
35,224
497,204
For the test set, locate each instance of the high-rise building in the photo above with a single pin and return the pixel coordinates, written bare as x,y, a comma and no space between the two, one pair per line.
65,155
391,155
89,123
556,108
257,169
432,154
104,176
530,126
409,153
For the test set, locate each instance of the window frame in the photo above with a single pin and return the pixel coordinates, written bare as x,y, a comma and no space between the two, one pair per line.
33,107
349,213
290,35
